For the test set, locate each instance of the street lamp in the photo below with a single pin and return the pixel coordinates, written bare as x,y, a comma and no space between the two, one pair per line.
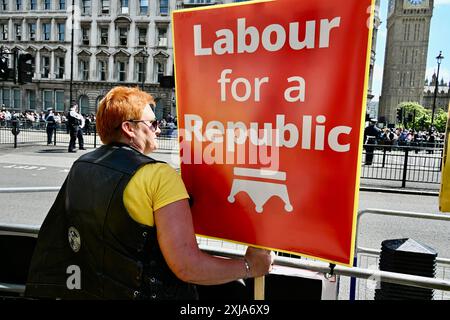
71,52
144,57
439,59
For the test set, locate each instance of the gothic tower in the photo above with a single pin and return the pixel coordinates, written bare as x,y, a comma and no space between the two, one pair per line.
408,30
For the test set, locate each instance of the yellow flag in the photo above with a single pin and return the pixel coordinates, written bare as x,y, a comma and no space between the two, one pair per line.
444,195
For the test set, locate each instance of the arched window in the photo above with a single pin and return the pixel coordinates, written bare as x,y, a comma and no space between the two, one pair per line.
159,70
121,61
83,105
159,66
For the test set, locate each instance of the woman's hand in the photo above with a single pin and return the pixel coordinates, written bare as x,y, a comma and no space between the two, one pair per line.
260,261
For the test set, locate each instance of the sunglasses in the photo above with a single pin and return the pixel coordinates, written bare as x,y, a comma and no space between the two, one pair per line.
152,125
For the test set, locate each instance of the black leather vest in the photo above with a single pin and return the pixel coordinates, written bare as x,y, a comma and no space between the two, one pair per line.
88,227
72,121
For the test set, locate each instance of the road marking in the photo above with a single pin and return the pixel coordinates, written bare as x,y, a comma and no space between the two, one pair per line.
13,166
31,160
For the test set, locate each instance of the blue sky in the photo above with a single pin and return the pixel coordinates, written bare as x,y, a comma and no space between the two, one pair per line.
439,41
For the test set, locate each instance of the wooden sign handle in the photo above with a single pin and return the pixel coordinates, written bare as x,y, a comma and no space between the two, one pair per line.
259,288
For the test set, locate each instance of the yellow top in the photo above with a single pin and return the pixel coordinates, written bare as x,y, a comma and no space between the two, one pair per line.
152,187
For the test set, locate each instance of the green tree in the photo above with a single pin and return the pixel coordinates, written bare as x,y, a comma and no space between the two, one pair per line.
415,116
440,120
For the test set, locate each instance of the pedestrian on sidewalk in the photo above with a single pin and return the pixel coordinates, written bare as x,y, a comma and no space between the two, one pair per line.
51,126
122,219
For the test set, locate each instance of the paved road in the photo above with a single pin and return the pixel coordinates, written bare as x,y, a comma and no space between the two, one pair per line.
39,166
48,166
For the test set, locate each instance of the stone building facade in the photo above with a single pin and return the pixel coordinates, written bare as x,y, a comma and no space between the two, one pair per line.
116,42
376,26
408,26
442,96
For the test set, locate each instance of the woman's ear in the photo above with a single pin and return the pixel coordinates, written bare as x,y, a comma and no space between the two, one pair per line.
127,129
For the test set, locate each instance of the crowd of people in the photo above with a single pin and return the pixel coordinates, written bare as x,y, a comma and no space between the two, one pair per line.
32,119
386,136
402,136
85,124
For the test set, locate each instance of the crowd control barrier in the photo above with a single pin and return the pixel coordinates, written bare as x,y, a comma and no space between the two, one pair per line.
17,244
363,289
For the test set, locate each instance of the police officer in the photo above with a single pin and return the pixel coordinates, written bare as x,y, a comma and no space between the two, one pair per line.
371,135
76,124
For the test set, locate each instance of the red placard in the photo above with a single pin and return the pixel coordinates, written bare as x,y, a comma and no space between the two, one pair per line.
270,99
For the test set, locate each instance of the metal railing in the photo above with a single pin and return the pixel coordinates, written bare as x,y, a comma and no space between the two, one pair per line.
29,189
304,264
311,265
35,133
416,162
442,263
403,163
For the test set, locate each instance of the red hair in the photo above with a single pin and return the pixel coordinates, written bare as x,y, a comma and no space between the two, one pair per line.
119,104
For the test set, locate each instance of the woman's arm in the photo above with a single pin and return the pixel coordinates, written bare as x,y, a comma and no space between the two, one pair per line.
179,247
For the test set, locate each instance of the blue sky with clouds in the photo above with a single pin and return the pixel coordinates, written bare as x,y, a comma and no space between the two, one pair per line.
439,41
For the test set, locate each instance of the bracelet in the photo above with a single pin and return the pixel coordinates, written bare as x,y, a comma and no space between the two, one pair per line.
247,269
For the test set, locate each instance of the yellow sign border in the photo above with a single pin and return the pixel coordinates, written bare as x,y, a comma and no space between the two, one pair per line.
361,134
444,192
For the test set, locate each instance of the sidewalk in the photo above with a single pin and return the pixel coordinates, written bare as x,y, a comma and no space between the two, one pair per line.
396,186
57,156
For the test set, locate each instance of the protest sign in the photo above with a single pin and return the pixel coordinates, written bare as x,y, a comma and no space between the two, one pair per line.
271,102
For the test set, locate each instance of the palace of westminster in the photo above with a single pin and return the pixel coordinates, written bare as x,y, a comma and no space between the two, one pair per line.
129,42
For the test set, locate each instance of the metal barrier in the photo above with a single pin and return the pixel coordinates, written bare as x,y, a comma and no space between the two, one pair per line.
300,263
415,163
35,133
29,189
403,163
374,254
303,264
418,163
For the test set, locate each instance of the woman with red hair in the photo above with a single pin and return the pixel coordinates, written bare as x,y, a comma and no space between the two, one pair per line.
122,221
